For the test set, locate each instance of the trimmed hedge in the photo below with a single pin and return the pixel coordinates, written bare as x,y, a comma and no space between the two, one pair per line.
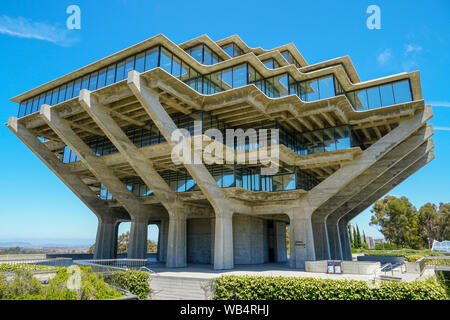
135,282
294,288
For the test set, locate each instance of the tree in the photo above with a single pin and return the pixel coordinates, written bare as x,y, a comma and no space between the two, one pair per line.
443,222
122,244
398,221
428,223
358,237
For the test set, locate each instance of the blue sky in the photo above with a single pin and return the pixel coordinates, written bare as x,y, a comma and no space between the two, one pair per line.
37,47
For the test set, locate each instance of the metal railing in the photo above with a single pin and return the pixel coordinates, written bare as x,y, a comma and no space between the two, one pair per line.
111,265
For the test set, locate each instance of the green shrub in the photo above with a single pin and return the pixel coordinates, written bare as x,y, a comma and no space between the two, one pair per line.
135,282
5,267
294,288
24,286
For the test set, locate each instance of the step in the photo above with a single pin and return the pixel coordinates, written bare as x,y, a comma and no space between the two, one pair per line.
179,288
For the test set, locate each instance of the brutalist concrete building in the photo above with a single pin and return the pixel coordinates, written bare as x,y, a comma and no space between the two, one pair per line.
107,131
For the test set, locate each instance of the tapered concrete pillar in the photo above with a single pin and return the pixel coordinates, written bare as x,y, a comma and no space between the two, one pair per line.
320,235
334,240
223,241
106,238
281,250
345,240
301,241
176,243
137,247
162,240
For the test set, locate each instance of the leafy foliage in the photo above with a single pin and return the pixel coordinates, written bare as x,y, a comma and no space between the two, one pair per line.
24,286
135,282
405,226
293,288
122,244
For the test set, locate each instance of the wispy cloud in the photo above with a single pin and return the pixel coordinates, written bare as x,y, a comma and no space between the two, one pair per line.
444,104
384,57
412,48
28,29
442,128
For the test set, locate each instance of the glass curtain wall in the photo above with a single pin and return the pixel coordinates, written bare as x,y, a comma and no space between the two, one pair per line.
233,77
226,176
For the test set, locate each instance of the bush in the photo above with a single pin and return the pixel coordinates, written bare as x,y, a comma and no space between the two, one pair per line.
293,288
68,284
5,267
135,282
386,246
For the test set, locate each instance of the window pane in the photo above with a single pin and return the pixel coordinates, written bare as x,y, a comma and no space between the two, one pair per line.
176,66
196,53
54,96
84,83
326,87
139,64
207,59
129,65
41,101
101,78
280,85
76,88
361,99
373,95
48,97
329,140
342,136
166,60
151,58
120,71
110,74
402,92
227,79
229,49
239,76
312,88
69,90
93,81
387,95
34,106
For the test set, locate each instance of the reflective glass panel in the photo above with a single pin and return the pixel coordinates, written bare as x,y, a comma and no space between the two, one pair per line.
373,96
101,78
93,81
387,95
166,60
120,71
239,76
151,58
110,74
326,87
402,92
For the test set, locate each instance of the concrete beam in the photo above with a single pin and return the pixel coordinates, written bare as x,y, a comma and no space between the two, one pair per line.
142,165
96,165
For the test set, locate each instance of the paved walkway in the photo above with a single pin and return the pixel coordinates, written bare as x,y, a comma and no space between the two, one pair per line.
207,272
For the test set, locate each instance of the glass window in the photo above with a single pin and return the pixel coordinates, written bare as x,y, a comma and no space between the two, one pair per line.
139,64
277,183
93,81
402,92
48,97
166,60
77,88
120,71
84,82
41,100
229,49
326,87
289,181
342,136
62,93
280,85
69,90
197,53
101,78
239,76
312,93
361,99
226,78
207,56
54,96
151,58
176,66
129,65
387,95
329,140
110,74
373,97
34,105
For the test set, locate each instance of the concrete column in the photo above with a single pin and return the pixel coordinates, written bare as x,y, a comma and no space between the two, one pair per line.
162,240
105,243
281,250
301,240
176,244
223,241
137,247
334,240
345,240
320,236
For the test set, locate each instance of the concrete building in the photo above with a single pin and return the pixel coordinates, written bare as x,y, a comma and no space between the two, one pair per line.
107,131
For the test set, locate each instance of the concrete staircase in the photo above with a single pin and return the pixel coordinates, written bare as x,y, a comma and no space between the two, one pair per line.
180,288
